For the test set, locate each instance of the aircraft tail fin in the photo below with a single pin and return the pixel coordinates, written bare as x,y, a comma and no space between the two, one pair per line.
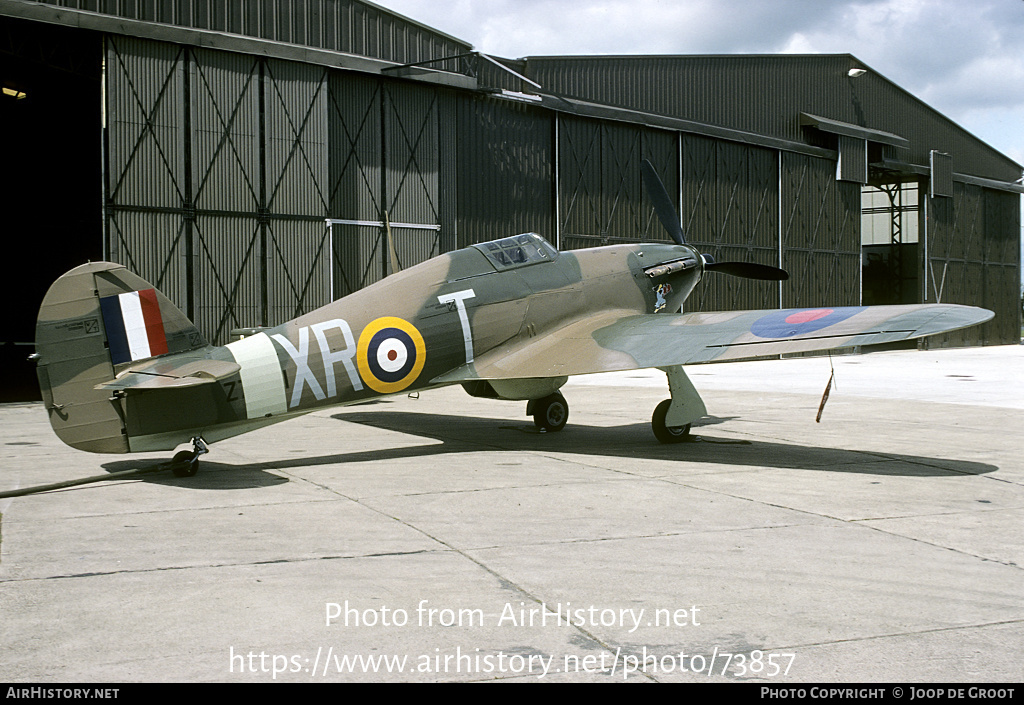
95,322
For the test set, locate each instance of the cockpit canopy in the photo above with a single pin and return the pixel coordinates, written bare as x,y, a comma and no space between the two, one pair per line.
517,251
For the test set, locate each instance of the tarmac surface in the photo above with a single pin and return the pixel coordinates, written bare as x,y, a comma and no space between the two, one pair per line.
445,539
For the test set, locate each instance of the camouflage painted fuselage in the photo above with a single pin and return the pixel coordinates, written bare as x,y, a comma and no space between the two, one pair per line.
434,324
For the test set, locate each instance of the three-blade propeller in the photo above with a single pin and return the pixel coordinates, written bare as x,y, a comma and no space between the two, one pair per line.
670,220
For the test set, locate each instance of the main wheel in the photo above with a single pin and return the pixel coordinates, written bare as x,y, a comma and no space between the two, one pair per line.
667,434
551,413
184,464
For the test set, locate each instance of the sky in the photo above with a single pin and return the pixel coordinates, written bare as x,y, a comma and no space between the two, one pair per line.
965,59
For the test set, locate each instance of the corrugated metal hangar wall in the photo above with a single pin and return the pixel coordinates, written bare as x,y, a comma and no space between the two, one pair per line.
251,184
969,247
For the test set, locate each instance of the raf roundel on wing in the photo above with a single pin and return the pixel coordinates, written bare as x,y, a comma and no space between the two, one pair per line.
789,323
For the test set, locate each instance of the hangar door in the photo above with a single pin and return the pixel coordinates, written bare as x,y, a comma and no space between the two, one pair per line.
726,194
216,180
600,191
973,257
730,196
820,231
384,168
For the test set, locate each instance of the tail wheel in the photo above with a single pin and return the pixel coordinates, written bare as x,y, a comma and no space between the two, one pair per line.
185,463
667,434
551,413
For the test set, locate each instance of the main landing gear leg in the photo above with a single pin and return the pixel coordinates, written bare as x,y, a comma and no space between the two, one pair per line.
186,462
673,417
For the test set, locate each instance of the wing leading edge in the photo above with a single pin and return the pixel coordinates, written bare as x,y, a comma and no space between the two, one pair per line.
616,341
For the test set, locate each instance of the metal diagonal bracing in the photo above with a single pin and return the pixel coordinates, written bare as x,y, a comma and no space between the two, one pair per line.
411,154
152,244
225,177
355,163
601,196
415,245
820,234
297,268
296,168
412,175
580,181
143,104
227,279
216,167
295,137
621,190
145,162
730,212
355,155
512,159
384,166
973,258
358,257
225,105
699,175
746,204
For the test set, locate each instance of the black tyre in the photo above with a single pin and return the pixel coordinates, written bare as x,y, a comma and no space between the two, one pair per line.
551,413
183,464
667,434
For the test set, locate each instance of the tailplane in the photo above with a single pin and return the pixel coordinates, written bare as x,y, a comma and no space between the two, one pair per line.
95,322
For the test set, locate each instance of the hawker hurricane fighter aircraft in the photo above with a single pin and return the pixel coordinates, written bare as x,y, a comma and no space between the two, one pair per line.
123,370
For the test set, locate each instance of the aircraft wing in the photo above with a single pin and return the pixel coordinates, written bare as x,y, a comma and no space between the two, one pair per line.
616,341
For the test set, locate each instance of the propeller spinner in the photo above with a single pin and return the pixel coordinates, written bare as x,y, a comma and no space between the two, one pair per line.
670,221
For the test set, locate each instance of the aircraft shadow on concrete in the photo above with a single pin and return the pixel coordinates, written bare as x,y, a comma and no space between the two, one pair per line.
462,434
211,476
635,441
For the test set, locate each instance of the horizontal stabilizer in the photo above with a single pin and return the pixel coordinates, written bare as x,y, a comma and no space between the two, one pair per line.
188,374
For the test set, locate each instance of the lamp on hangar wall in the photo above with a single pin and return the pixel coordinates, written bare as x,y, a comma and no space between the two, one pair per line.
13,90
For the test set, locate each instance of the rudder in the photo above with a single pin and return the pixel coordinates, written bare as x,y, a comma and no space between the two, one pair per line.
94,322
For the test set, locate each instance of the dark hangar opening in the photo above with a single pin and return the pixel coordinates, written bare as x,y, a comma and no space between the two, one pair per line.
50,119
